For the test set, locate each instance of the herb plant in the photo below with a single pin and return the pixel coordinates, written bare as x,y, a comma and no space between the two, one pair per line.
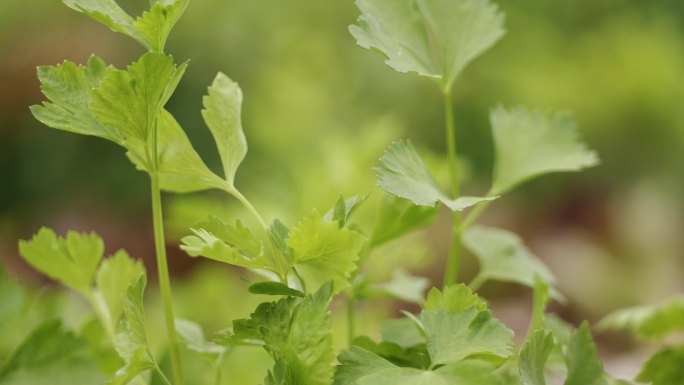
453,340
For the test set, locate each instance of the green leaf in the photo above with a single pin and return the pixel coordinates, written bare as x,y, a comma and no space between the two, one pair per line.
584,366
530,143
664,368
69,89
454,299
109,13
653,322
356,363
232,244
414,356
397,217
503,257
156,24
401,331
322,251
131,342
113,278
192,335
404,286
222,110
533,358
404,174
434,38
130,101
71,260
297,334
274,288
343,209
462,373
50,352
452,337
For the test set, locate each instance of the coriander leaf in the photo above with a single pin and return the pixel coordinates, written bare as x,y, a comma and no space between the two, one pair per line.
454,299
356,363
222,111
584,366
404,174
322,251
664,368
131,341
50,352
343,209
401,331
397,217
434,38
109,13
653,322
274,288
179,166
405,286
113,278
68,88
156,24
71,260
131,100
191,333
529,143
533,358
452,337
503,257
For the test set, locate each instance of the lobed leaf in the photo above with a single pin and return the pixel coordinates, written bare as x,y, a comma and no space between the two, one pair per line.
113,278
529,143
433,38
454,299
503,257
462,373
343,209
664,368
653,322
397,217
71,260
357,363
584,366
322,251
533,358
404,174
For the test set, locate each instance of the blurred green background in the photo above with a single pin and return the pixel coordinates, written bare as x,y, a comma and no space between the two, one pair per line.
319,111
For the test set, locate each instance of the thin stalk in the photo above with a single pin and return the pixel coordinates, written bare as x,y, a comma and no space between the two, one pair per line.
454,259
162,375
477,282
245,202
164,280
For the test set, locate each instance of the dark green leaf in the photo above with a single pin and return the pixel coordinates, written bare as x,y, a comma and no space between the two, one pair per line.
274,288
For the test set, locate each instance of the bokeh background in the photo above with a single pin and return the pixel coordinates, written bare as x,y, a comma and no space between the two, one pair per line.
319,111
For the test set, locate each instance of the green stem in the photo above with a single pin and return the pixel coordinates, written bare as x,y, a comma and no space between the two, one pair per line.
453,262
477,282
245,202
164,280
162,375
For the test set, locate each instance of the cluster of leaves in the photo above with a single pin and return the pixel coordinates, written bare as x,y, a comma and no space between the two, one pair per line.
453,340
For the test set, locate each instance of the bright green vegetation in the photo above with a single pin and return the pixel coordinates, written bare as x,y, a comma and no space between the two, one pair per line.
454,339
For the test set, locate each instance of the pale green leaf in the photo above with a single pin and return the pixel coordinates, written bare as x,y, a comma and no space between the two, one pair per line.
180,168
113,278
69,88
109,13
533,358
529,143
356,363
584,366
468,372
192,335
397,217
405,286
131,340
452,337
71,260
664,368
131,100
156,24
232,244
50,352
401,331
434,38
343,209
454,299
322,251
503,256
653,321
404,174
222,114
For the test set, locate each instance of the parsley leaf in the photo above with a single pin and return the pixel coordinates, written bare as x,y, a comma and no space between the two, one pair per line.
113,278
404,286
356,363
529,143
397,217
533,358
434,38
404,174
584,366
664,368
654,322
71,260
